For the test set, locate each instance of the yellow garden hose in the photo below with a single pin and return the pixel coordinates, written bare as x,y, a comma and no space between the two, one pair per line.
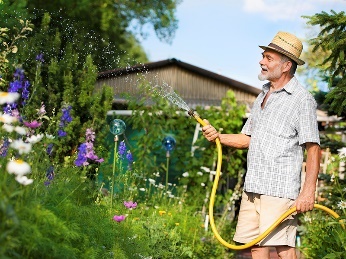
212,200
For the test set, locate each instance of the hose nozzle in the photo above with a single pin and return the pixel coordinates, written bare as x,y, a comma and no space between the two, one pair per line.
196,116
191,112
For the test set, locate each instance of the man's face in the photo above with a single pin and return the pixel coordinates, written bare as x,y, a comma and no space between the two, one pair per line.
271,66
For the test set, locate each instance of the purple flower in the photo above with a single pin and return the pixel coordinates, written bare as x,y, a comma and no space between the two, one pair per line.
19,85
129,156
39,58
4,147
119,218
33,125
81,157
62,133
90,135
86,150
64,120
49,149
130,204
122,148
25,92
66,117
50,175
42,110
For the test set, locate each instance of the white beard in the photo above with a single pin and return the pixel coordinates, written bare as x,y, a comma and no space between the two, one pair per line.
275,74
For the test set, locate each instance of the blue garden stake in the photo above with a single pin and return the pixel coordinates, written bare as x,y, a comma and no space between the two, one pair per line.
168,143
116,127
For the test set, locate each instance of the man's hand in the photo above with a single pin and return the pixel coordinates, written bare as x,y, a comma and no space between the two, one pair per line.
209,132
305,202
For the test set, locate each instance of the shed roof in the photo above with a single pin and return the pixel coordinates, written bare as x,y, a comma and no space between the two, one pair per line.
175,62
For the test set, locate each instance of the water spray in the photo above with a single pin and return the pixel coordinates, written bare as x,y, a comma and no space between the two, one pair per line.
167,92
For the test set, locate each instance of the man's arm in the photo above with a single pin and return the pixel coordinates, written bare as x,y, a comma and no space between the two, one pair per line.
240,141
306,198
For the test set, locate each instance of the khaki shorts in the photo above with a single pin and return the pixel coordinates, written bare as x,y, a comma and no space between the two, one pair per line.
258,212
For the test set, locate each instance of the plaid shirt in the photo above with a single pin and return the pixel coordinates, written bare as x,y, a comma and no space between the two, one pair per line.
278,134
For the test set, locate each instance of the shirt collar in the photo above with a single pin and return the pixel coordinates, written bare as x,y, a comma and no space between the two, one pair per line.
289,87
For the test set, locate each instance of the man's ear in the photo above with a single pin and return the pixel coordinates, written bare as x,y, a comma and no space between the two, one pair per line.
287,66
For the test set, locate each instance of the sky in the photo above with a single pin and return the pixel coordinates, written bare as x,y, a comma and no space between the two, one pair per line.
223,36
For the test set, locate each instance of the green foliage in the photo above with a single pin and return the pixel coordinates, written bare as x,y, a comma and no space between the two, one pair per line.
321,235
105,29
332,40
8,40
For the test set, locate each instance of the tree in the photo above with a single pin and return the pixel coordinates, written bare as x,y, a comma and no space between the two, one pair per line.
332,40
104,29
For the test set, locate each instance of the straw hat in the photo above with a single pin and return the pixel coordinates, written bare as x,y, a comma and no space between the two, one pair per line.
287,44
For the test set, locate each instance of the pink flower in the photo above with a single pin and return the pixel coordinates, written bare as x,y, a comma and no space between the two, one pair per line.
34,124
119,218
130,204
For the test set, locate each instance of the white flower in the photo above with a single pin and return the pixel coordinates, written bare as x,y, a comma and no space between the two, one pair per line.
152,181
203,184
186,174
20,130
22,179
8,127
6,118
8,97
342,152
18,167
48,136
142,189
205,169
199,173
161,186
21,146
342,204
34,139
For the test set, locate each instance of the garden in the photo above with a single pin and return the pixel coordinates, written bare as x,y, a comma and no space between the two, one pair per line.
74,185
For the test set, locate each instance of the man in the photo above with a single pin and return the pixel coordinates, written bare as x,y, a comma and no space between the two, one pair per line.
281,126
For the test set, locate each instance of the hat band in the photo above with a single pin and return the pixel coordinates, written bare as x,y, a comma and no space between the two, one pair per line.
281,50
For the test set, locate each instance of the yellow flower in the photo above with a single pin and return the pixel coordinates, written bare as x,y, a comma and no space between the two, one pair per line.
177,223
161,212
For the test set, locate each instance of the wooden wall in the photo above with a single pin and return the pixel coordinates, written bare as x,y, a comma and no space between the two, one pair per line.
193,88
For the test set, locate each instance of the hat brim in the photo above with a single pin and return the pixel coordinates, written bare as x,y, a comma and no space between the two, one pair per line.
294,58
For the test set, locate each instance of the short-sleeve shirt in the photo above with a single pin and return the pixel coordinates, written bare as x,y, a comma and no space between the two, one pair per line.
278,133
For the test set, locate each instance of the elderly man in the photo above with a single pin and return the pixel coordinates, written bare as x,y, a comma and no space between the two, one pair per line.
281,126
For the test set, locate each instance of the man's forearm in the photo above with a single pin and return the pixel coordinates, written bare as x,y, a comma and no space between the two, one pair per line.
239,141
312,167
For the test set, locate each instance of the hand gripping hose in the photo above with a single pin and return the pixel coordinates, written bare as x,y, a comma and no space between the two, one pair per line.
212,200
